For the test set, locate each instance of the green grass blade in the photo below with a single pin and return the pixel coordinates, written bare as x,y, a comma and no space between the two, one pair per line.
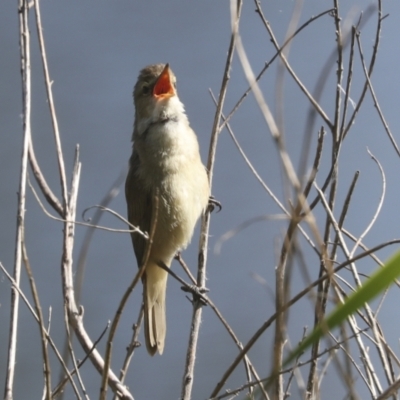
374,285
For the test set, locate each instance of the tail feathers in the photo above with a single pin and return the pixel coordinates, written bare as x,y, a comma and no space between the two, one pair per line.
154,316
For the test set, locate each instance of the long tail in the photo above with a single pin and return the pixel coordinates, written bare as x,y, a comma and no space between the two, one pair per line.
155,285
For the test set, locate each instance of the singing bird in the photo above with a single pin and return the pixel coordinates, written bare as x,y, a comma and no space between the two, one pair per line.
166,163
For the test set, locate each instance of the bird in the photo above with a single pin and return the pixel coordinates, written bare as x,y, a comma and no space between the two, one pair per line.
165,164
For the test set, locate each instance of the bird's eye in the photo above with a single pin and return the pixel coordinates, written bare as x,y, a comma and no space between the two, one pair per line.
145,89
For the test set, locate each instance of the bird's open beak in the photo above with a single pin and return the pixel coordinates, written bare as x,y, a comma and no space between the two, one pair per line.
164,87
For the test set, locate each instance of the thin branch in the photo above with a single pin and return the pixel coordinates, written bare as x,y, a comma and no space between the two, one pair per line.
50,100
368,365
132,345
41,181
188,374
48,338
35,295
314,100
348,84
104,228
231,392
80,269
294,300
268,64
72,354
24,43
365,16
59,388
374,98
378,209
124,299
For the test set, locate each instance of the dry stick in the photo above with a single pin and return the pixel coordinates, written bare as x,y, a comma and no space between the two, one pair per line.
48,338
48,84
59,388
280,73
105,201
286,393
339,72
318,93
369,368
296,298
48,327
290,235
24,43
376,103
248,365
188,375
348,84
181,261
80,269
125,297
392,390
72,354
352,395
366,15
104,228
231,392
267,65
313,99
75,316
41,181
323,290
364,247
372,318
35,295
206,300
265,186
292,229
132,346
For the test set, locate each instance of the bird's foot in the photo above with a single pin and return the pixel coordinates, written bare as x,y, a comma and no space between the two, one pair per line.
213,203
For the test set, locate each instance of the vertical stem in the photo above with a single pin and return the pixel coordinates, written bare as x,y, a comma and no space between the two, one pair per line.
188,375
26,99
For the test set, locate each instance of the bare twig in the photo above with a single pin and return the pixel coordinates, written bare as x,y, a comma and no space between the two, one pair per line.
314,100
72,354
188,375
44,187
268,64
104,228
58,389
35,295
374,98
48,338
294,299
132,345
125,297
366,15
48,84
24,43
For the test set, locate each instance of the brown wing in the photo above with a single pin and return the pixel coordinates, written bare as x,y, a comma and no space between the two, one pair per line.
139,206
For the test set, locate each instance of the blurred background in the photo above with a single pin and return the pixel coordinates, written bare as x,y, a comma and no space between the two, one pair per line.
95,51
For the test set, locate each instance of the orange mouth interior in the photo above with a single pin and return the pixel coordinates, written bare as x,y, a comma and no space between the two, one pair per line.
163,87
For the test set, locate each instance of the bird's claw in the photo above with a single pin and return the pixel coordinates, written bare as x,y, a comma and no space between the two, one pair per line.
213,203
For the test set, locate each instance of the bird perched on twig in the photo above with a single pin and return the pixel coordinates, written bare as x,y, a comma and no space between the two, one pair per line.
165,162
